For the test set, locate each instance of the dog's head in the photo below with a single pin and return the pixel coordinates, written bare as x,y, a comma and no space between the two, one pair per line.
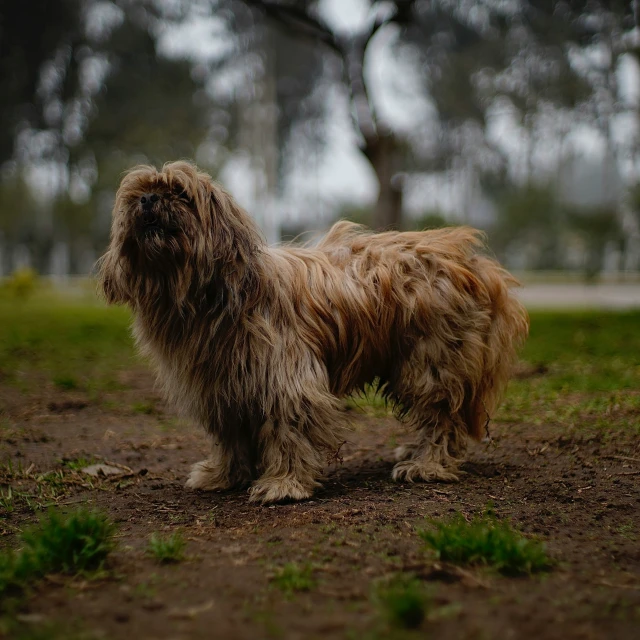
173,229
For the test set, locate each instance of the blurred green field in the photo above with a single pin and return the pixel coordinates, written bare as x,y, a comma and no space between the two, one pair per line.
584,371
70,343
580,368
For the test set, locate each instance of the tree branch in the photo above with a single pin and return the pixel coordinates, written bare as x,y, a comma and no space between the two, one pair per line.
297,21
351,49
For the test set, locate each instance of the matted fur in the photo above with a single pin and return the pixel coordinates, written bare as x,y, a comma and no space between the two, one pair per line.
258,344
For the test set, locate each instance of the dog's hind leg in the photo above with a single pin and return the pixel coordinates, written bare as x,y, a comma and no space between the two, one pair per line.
226,468
430,391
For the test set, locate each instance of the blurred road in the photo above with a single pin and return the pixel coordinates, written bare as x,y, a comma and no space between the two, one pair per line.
580,296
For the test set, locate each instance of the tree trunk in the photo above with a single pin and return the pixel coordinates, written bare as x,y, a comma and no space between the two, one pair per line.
383,154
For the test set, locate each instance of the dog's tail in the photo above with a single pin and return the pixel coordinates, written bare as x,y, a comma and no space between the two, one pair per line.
508,331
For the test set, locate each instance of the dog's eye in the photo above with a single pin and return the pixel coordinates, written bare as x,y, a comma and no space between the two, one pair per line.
183,195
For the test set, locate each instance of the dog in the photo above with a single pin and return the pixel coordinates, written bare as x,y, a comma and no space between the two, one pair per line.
259,344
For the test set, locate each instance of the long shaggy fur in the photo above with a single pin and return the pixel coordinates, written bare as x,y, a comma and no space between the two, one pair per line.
258,344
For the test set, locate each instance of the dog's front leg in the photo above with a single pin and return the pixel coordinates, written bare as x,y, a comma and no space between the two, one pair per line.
290,465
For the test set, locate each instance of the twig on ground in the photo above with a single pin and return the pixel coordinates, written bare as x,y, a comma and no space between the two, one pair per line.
605,583
626,458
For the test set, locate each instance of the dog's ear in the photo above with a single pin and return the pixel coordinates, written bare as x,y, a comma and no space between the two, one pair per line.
235,232
111,279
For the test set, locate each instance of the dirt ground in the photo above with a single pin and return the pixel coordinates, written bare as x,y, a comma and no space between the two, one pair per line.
579,493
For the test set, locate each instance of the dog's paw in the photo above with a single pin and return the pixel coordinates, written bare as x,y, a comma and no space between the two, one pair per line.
208,477
269,490
416,471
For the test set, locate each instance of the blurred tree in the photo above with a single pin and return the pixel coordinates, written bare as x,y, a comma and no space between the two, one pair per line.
597,226
430,220
469,53
38,45
377,140
634,200
529,217
149,109
297,67
106,99
355,213
87,92
17,219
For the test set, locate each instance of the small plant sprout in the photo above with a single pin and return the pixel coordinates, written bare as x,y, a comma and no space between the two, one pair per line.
403,600
293,578
67,383
167,549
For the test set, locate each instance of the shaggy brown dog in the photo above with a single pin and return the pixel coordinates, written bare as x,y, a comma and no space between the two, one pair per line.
258,344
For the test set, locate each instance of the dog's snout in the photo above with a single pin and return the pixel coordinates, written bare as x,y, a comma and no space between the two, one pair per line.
148,200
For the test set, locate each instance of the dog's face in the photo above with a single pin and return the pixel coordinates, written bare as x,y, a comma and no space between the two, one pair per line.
159,216
170,229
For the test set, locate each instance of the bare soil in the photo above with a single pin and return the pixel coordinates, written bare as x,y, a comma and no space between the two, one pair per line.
577,491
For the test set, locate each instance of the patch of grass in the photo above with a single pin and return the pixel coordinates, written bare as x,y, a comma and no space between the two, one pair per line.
76,543
79,463
589,371
330,528
146,408
73,342
627,531
403,600
6,500
14,574
293,578
588,377
166,549
589,374
21,284
70,544
486,541
369,401
68,383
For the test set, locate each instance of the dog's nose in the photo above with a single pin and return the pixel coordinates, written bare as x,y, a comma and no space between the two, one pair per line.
148,199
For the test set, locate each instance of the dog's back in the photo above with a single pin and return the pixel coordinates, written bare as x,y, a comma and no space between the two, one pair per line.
437,278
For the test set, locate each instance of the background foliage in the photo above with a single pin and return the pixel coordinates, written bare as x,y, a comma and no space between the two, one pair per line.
519,117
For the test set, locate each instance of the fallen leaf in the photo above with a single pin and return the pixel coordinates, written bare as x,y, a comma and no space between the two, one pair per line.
190,612
103,470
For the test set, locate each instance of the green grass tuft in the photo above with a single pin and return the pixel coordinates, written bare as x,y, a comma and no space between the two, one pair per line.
486,540
79,463
72,544
146,408
21,284
167,549
67,383
293,578
403,600
15,572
